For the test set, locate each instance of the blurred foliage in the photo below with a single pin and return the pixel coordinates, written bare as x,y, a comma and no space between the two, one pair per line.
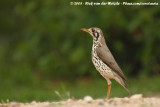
41,40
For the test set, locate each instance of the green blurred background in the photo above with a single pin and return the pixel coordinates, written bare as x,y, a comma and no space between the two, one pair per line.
45,57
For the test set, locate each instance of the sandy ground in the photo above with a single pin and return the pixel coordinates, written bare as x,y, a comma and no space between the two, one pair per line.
134,101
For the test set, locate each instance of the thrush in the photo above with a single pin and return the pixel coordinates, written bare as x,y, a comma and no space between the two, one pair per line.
104,61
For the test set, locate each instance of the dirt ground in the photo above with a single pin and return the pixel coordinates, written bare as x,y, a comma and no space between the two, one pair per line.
134,101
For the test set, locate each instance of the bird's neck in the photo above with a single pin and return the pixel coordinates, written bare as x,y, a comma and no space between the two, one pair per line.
96,44
94,47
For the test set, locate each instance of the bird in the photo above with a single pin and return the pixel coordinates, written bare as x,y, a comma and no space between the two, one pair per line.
104,61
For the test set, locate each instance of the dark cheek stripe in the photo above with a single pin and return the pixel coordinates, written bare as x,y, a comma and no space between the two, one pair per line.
94,34
97,35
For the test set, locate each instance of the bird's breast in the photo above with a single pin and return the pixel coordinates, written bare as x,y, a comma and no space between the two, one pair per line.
101,67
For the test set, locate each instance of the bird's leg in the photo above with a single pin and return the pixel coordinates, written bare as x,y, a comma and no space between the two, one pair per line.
109,91
109,88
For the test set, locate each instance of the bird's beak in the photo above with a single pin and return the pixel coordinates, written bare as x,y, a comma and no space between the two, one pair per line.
84,29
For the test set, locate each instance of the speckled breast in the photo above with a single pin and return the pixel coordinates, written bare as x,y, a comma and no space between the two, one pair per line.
101,67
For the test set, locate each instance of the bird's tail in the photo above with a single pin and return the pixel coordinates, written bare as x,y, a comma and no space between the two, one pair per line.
123,83
125,87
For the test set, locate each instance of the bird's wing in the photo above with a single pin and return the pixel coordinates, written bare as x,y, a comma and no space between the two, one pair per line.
105,55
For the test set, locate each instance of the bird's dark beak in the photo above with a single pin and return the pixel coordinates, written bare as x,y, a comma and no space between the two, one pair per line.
84,29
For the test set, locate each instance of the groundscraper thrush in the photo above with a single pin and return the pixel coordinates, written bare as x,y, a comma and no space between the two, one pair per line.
104,61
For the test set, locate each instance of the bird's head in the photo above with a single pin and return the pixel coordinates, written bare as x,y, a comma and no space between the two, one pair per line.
96,33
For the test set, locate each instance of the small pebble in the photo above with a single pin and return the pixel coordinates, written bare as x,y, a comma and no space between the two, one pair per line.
136,96
110,101
101,103
69,100
88,98
33,102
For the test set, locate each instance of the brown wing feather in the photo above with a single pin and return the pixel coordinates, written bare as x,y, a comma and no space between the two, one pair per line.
105,55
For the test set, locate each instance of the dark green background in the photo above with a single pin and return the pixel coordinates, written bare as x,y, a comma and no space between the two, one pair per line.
42,48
